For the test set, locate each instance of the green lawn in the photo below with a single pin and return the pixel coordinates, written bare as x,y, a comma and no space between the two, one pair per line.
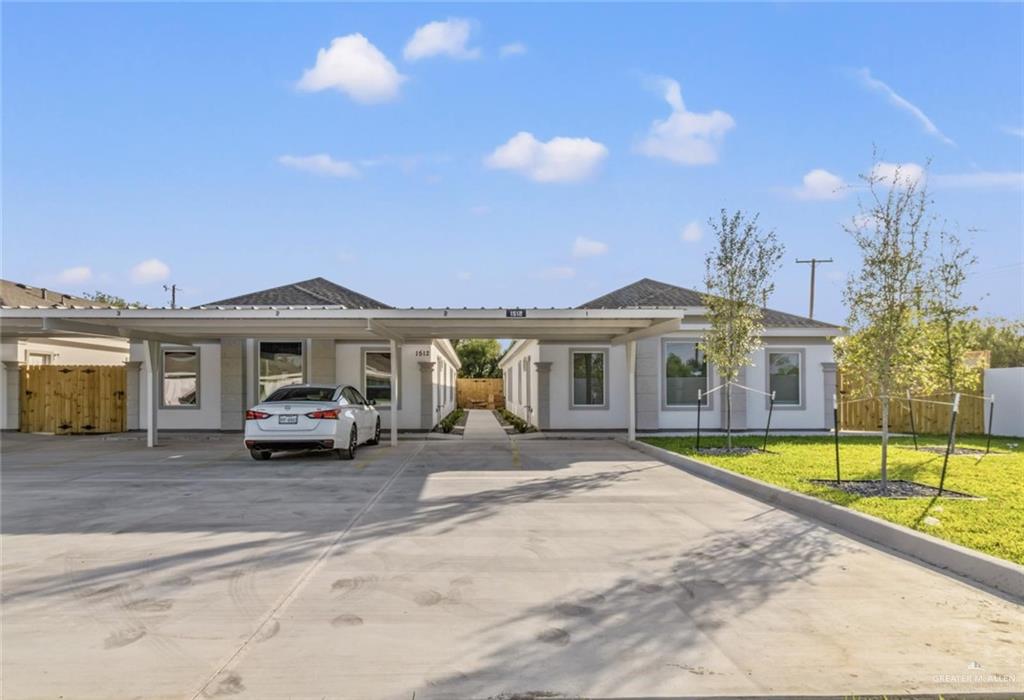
994,525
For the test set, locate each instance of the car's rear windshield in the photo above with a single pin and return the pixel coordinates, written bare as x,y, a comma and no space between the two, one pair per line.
302,393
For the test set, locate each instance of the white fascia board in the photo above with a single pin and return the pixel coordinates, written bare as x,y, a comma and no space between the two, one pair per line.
445,347
517,347
799,331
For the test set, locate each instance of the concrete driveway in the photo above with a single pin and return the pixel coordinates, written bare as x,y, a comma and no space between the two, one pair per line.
453,569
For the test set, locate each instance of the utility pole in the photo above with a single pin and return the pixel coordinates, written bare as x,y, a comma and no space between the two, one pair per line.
173,289
813,262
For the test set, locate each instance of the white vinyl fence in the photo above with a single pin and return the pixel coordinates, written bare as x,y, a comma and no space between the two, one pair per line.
1007,385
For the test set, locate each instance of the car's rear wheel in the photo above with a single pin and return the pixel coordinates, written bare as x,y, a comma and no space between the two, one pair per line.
375,440
260,454
350,451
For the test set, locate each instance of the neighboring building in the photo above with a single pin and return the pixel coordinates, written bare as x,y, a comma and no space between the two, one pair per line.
71,350
584,385
573,369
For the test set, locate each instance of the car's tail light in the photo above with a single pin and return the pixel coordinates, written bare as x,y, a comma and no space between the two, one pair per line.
256,415
328,414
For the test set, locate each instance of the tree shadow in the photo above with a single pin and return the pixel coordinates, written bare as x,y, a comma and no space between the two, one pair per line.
652,623
277,519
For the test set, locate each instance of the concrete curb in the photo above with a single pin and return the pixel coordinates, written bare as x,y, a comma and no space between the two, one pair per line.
975,567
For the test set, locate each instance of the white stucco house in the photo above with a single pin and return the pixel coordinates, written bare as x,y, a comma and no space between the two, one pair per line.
629,360
579,385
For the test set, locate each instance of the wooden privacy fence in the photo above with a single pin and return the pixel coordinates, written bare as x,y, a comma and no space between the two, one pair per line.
66,399
928,417
480,393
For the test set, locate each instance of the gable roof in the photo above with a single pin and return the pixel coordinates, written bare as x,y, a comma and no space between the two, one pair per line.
18,294
648,293
313,292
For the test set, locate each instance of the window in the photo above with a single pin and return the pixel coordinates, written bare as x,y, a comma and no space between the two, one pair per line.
377,376
180,383
280,364
301,393
784,377
588,378
686,373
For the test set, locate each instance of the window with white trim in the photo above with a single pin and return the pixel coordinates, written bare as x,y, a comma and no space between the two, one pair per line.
280,363
179,381
377,377
686,373
784,377
588,378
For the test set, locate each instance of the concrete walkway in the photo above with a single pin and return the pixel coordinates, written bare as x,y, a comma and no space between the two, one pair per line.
482,425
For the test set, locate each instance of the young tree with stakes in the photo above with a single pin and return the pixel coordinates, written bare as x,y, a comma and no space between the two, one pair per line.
738,277
885,350
949,334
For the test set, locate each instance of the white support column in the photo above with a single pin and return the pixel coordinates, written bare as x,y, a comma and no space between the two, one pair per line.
153,375
395,362
631,365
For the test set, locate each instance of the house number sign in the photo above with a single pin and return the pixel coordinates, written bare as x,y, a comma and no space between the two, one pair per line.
515,313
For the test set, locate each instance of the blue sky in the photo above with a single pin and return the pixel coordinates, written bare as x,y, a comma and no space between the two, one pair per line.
212,145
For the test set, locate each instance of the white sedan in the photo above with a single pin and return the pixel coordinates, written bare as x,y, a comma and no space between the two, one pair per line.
311,416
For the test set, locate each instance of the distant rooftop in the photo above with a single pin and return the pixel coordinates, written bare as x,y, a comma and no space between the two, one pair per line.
18,294
649,294
313,292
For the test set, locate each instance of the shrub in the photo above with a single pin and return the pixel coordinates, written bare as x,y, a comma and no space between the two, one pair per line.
515,421
448,422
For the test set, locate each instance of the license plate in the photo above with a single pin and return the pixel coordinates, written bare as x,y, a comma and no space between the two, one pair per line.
287,420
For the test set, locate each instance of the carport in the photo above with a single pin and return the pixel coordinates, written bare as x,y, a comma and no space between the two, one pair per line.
398,327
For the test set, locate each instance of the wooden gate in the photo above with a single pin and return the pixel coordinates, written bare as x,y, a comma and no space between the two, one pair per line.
66,399
480,393
928,417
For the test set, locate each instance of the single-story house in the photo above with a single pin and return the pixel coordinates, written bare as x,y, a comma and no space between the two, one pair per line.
629,360
571,385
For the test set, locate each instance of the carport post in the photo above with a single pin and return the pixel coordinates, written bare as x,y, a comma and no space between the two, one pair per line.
393,382
631,365
153,354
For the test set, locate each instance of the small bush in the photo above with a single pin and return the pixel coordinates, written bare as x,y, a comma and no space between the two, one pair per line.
447,423
515,421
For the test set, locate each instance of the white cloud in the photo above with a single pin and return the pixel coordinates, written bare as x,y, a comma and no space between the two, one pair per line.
320,164
447,38
151,270
559,272
584,247
901,102
1017,131
692,232
356,67
75,275
898,174
516,48
464,276
688,138
821,184
562,159
980,180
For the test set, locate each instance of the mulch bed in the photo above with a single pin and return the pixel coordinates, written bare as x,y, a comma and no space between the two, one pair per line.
897,489
967,451
727,451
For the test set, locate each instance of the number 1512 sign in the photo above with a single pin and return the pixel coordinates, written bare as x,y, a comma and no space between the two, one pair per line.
515,313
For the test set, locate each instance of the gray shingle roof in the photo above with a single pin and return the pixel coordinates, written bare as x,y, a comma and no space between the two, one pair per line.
648,293
314,292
